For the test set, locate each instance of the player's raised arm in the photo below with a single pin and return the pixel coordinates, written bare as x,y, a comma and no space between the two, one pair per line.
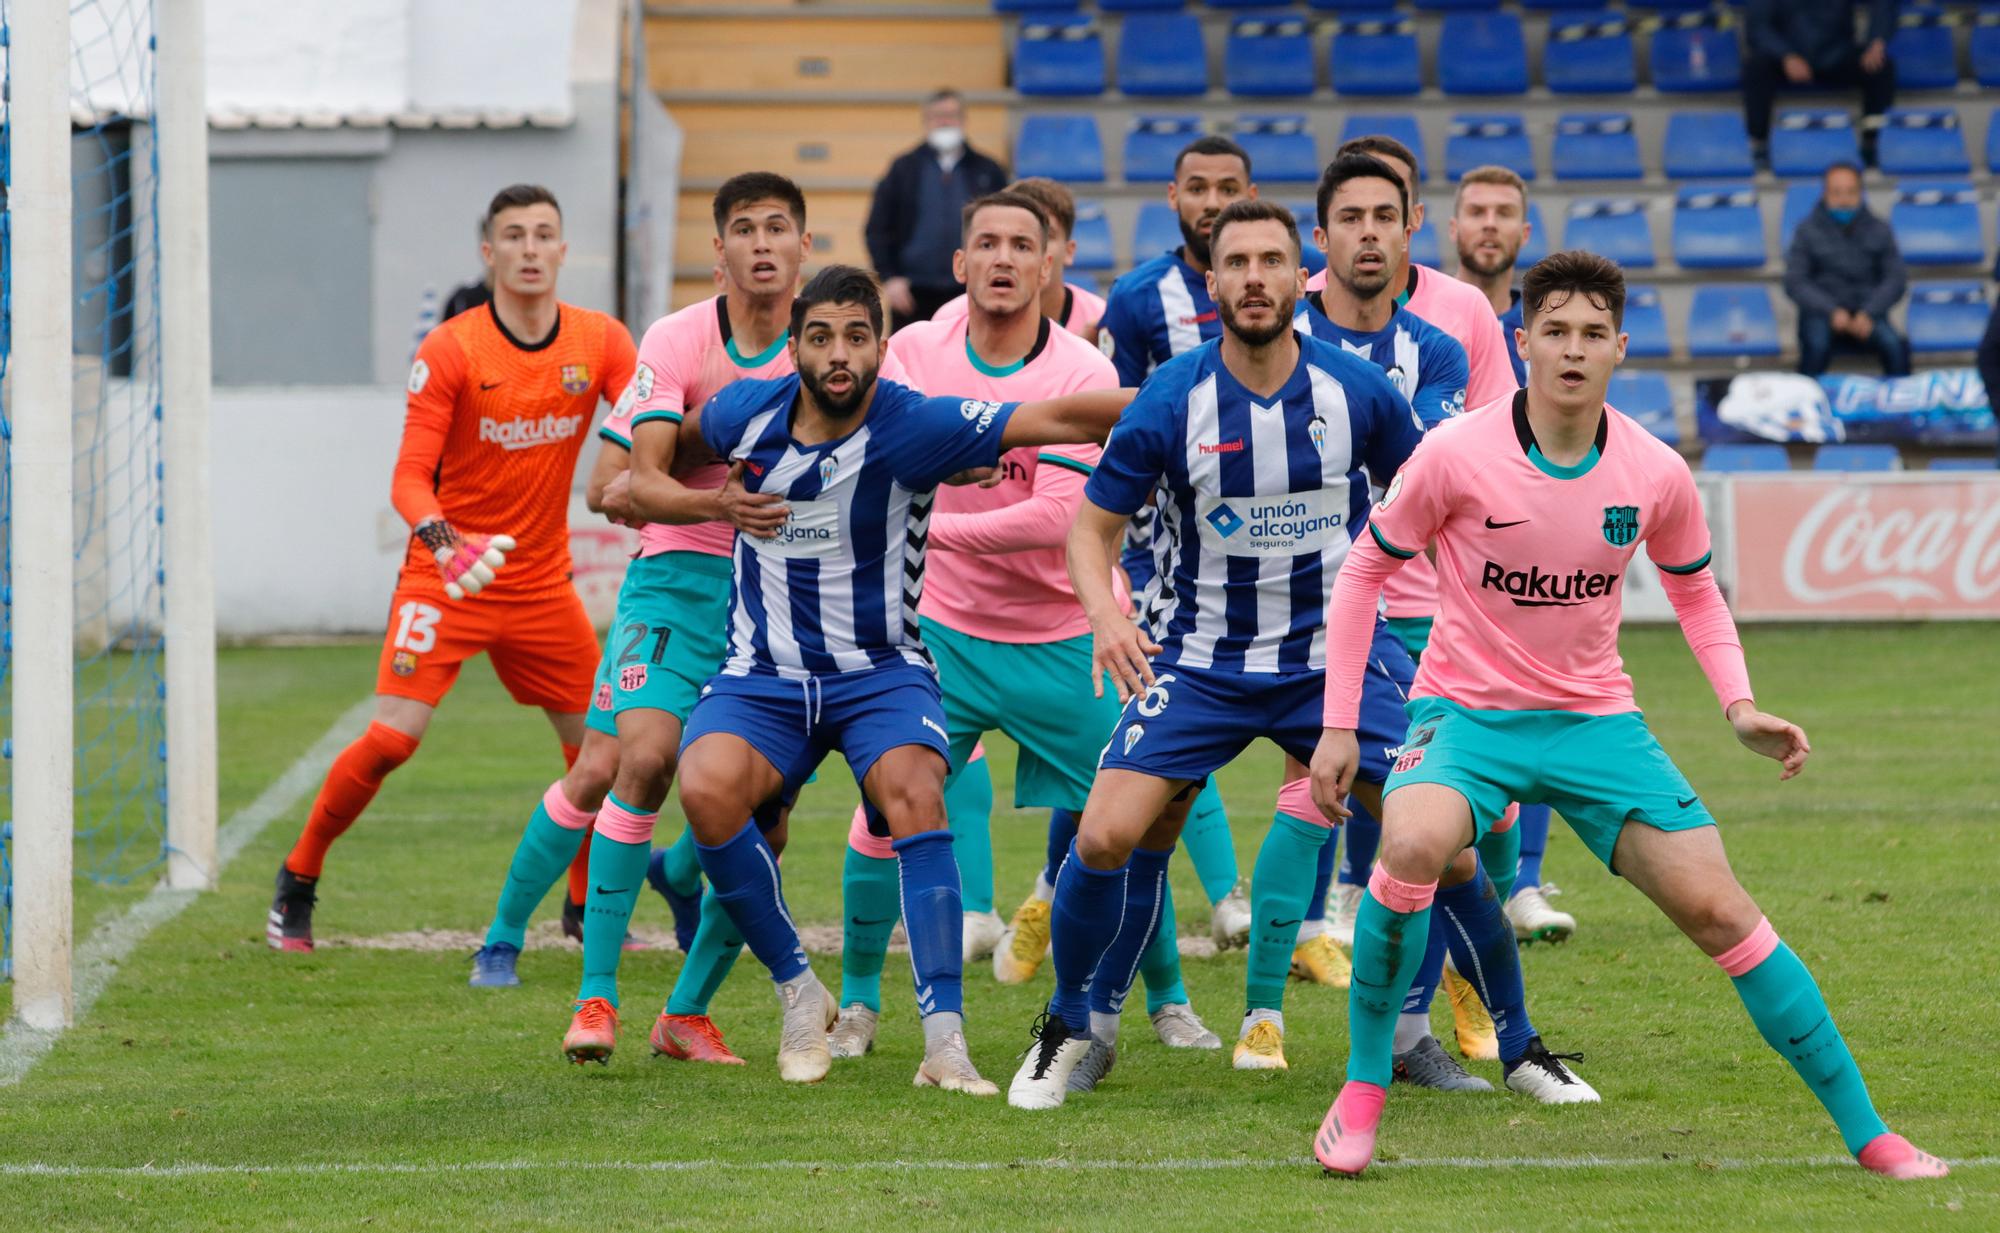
1073,419
656,496
467,561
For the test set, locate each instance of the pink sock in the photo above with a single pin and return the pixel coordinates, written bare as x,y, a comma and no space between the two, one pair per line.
1892,1155
1296,799
861,840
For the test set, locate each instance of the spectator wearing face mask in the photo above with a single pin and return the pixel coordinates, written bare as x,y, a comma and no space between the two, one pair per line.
913,225
1845,273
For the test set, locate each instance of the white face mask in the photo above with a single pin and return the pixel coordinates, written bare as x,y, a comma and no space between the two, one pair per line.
947,140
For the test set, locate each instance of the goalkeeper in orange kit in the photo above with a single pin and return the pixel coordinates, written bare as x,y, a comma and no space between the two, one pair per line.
500,402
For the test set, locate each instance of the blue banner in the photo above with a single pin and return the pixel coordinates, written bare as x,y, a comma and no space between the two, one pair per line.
1943,407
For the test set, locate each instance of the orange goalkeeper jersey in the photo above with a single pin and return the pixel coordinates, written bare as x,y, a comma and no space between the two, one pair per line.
491,437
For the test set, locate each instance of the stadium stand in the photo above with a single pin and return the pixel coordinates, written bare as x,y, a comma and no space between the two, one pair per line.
1947,316
1709,144
1694,53
1615,227
1739,457
1718,226
1151,144
1280,147
1924,50
1306,214
1403,128
1732,321
1424,249
1937,223
1477,139
1375,54
1648,398
1059,55
1589,52
1061,147
1645,324
1268,56
1489,54
1961,464
1984,45
1800,199
1596,145
1093,238
1162,55
1134,6
1536,246
1849,456
1159,229
1923,141
1805,141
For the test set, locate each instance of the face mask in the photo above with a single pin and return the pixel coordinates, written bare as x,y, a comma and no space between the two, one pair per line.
1843,217
946,140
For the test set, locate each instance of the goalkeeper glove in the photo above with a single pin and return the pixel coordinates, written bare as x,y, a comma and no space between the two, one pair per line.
467,562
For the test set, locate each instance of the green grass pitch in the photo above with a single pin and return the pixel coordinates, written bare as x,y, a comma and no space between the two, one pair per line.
219,1085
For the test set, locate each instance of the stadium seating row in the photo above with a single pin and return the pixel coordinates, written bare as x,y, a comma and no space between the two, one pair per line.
1835,456
1585,146
1373,51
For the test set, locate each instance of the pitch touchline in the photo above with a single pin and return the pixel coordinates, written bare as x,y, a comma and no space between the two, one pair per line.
924,1166
97,959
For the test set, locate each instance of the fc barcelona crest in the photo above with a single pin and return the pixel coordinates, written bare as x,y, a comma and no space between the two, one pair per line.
1621,524
575,378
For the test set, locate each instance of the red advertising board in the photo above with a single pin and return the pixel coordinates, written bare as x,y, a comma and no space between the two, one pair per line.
1922,545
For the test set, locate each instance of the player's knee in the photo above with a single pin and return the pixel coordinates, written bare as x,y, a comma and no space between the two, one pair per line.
711,804
644,774
1463,868
912,808
1719,917
1413,854
1098,848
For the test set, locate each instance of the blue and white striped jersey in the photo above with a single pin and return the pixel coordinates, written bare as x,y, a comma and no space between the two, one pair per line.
1158,311
837,589
1425,364
1509,322
1262,498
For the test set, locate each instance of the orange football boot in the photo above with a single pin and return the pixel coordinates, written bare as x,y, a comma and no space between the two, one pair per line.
691,1038
593,1033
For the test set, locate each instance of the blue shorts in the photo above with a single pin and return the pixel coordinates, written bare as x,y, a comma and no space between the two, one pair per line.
795,724
1194,721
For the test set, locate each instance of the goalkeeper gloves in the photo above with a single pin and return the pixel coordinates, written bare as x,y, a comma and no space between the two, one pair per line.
467,562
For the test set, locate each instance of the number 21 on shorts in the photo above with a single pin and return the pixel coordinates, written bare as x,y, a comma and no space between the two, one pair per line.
416,627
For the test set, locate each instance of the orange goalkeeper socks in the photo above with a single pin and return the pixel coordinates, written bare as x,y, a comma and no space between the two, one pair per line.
350,784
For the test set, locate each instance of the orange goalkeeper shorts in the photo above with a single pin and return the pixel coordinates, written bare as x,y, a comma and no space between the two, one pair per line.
543,650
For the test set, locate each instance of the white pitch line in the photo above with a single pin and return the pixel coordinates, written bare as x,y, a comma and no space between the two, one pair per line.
1196,1165
97,959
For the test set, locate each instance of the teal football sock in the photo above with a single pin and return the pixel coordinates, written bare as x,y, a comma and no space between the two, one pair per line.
1501,854
1281,887
542,856
617,872
1208,843
871,900
1160,965
968,811
683,866
1788,1010
1388,948
713,952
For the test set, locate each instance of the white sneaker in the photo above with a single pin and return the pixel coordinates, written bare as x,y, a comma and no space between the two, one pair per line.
949,1067
1541,1074
803,1054
983,931
1178,1027
1534,920
853,1034
1043,1080
1340,921
1229,919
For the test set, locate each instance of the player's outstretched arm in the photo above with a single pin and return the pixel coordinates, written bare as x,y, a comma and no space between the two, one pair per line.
612,461
1117,645
1073,419
656,496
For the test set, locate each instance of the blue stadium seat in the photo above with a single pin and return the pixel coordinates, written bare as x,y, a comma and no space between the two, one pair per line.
1141,6
1152,143
1733,456
1280,147
1732,322
1536,246
1238,4
1532,5
1589,52
1037,6
1986,44
1923,141
1402,127
1711,144
1482,53
1718,226
1846,456
1158,230
1800,198
1665,7
1805,141
1596,145
1059,54
1993,141
1352,6
1694,53
1268,56
1648,398
1961,464
1424,248
1461,5
1061,147
1306,214
1162,54
1925,54
1947,316
1937,223
1375,54
1093,238
1478,138
1617,228
1645,324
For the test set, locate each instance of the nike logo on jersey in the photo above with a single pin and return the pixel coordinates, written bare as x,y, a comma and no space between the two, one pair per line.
490,385
1531,588
1501,526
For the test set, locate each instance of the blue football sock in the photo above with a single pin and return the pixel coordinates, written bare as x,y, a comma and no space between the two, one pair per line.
934,918
1138,923
870,896
1424,985
545,851
743,874
710,957
1484,952
1388,946
1787,1008
1209,844
1534,828
1062,833
1363,835
1082,920
1160,965
968,810
1322,878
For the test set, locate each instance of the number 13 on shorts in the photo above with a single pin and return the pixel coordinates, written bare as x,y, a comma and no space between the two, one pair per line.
416,627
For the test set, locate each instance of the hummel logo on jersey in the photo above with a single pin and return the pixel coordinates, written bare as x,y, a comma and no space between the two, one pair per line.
932,724
1500,526
1222,447
1531,588
527,434
1225,520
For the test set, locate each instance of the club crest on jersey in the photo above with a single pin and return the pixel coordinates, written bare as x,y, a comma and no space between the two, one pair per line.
1316,431
603,701
1621,524
574,378
1132,735
829,466
631,677
403,664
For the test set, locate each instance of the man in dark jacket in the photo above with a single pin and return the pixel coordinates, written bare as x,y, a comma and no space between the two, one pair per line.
913,225
1845,274
1813,43
1988,358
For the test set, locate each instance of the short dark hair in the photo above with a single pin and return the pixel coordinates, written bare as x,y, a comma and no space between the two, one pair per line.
1559,276
513,197
740,190
1010,199
1055,200
1381,145
943,94
1841,164
1212,145
1253,210
838,284
1358,166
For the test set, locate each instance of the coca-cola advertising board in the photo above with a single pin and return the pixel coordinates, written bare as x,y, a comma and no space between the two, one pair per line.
1810,547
